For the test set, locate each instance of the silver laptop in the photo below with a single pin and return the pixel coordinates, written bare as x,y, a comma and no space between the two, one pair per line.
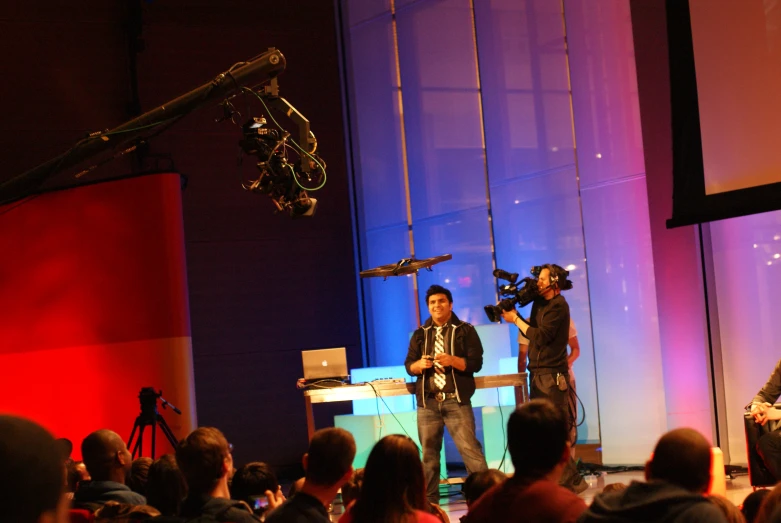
325,363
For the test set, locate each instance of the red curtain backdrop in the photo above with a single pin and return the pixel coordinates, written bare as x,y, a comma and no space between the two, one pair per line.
93,307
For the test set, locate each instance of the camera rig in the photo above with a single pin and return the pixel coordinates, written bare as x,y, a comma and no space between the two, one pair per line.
526,291
289,168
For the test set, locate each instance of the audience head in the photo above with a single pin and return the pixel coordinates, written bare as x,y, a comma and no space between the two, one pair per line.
682,457
295,487
252,480
538,438
33,476
614,487
730,511
204,457
478,483
769,505
166,488
351,490
775,517
77,472
752,503
393,482
329,461
65,447
106,456
139,474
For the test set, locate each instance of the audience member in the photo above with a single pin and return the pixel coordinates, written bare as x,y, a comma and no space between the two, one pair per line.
65,447
166,488
730,511
31,485
205,459
352,489
255,484
77,472
769,504
613,487
139,474
394,488
108,462
327,466
752,503
478,483
677,477
114,512
538,440
295,487
776,516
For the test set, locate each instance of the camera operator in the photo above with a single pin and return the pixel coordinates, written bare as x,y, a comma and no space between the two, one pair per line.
548,333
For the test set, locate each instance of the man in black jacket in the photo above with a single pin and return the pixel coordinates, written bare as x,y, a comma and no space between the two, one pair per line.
769,445
677,477
548,334
444,354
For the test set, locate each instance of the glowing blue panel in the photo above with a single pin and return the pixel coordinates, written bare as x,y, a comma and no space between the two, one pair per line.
391,404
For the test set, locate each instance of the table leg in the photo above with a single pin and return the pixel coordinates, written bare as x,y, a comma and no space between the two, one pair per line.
310,418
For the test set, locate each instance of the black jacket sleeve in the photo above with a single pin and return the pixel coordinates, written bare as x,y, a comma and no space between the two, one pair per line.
415,351
772,389
473,349
546,330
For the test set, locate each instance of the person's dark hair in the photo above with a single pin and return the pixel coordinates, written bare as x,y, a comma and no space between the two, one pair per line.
166,487
393,483
351,490
139,473
99,451
330,456
751,504
770,505
478,483
537,434
295,487
253,479
201,457
775,517
33,470
558,276
682,457
438,289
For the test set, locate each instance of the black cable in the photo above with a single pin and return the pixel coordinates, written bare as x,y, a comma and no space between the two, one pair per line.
504,433
377,394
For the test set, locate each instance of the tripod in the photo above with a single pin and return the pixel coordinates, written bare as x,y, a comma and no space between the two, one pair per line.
150,417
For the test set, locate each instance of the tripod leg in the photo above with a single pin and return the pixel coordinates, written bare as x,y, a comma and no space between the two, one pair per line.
154,434
140,442
130,447
169,434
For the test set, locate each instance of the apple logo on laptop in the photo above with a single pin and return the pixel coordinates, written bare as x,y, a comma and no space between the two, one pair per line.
325,363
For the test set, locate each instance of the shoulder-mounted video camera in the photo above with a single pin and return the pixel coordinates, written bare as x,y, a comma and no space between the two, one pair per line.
524,292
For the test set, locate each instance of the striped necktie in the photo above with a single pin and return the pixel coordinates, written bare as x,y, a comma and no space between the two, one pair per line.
439,348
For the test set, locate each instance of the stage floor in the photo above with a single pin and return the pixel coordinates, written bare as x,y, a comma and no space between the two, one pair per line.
453,502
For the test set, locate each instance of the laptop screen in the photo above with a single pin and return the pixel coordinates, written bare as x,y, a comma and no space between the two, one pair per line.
325,363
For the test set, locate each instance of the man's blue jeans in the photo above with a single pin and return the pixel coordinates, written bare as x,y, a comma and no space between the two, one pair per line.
460,423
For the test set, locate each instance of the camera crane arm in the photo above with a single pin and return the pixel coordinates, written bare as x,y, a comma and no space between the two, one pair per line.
256,71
